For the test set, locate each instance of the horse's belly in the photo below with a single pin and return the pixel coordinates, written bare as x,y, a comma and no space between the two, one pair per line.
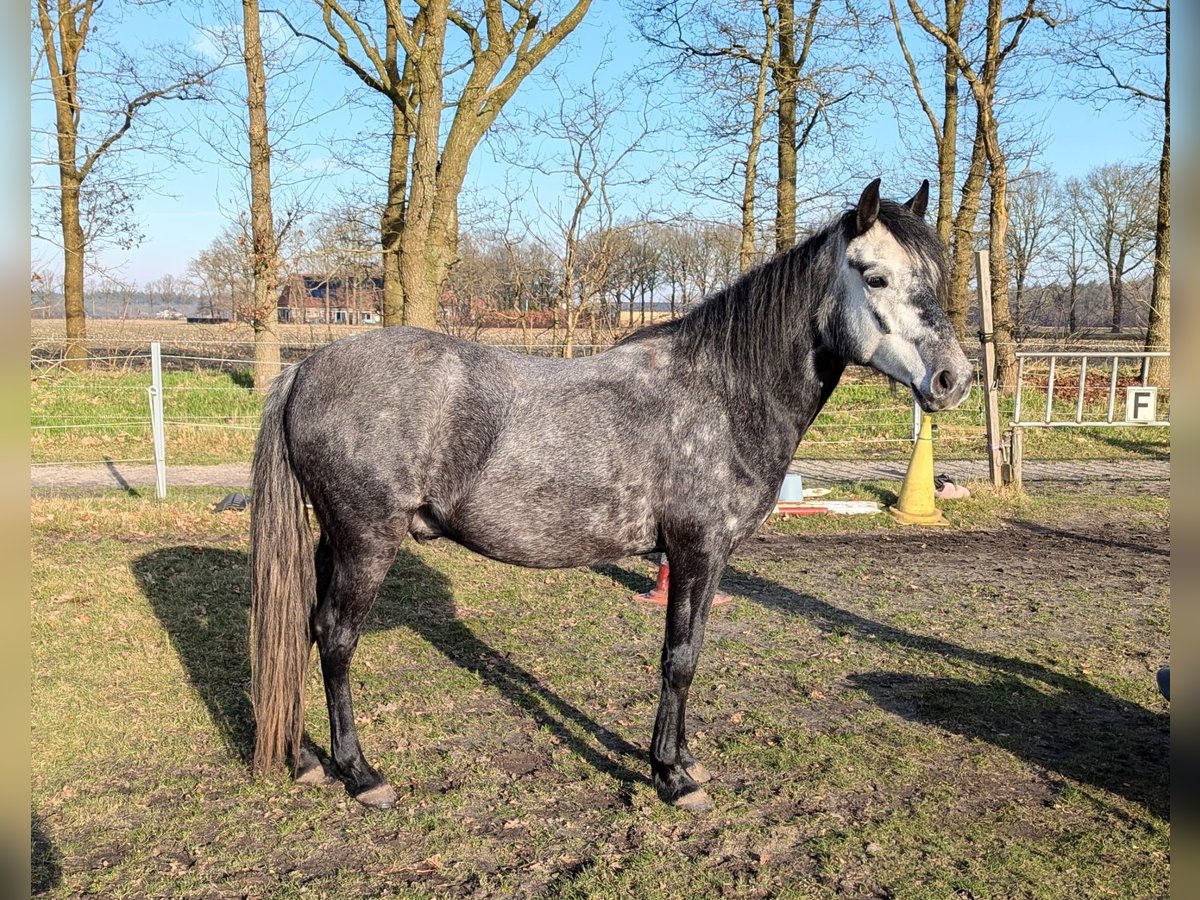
552,532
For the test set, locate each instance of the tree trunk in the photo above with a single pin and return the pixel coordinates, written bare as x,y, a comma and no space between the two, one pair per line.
73,240
569,336
750,180
419,247
1158,326
391,221
1018,296
1117,289
62,61
948,147
785,88
1072,320
265,262
1006,360
964,238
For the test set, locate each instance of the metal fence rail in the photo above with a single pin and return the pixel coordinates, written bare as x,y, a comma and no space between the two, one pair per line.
1082,417
1057,382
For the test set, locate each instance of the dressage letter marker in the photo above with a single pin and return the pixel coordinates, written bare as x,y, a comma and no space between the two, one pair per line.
1141,404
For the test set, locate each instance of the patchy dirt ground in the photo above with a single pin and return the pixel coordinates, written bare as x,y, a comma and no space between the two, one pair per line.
887,713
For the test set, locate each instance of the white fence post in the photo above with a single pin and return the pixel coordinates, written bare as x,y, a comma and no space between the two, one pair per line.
156,421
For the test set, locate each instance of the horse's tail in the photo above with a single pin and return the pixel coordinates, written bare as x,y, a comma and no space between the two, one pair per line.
283,588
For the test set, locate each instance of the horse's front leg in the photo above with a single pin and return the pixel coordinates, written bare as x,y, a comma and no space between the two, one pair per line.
695,572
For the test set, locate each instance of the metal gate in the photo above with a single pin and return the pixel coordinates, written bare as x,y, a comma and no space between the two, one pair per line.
1069,403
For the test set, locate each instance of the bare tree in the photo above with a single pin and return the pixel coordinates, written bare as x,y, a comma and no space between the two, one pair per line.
1031,214
45,299
260,142
956,229
1125,56
225,268
412,60
751,62
1116,202
1001,37
726,53
225,271
264,318
585,149
100,93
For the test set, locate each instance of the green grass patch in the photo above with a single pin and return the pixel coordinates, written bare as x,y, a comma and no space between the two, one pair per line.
210,417
888,712
874,421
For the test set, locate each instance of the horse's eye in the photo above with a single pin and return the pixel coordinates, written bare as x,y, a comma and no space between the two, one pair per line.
877,281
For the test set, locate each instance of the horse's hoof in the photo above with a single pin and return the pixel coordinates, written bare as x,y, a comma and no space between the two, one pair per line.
699,773
313,775
382,796
696,801
312,772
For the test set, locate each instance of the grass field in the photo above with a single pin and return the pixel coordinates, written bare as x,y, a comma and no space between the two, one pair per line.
888,713
212,417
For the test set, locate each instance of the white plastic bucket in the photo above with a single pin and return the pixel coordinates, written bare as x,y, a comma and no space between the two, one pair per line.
792,489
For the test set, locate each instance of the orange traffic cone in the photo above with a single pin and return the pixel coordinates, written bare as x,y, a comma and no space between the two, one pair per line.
657,595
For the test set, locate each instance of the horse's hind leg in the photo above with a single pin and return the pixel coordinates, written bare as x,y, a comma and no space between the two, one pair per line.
309,768
357,572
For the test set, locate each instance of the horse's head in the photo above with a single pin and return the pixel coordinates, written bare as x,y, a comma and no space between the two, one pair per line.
889,317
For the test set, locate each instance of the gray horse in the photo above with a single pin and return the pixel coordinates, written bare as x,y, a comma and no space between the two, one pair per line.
676,439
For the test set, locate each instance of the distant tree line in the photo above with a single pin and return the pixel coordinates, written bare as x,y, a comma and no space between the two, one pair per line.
1079,256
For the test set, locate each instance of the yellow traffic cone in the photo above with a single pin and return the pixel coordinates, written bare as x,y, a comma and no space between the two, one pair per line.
915,505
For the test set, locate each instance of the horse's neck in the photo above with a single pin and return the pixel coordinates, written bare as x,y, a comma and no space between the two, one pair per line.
771,419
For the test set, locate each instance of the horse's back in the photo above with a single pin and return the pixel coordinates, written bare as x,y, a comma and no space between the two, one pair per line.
499,451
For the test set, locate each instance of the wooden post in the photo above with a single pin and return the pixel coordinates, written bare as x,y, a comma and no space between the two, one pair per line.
1016,456
991,394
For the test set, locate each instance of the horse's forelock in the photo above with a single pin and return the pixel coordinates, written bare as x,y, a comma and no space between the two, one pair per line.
913,233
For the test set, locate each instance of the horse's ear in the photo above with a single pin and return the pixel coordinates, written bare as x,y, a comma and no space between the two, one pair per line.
919,202
868,207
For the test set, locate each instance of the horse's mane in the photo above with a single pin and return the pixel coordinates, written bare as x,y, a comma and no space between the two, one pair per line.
752,327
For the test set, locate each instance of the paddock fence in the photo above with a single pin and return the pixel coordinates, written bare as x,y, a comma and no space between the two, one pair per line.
209,413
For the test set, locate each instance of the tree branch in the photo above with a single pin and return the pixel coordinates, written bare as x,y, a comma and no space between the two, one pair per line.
177,91
912,72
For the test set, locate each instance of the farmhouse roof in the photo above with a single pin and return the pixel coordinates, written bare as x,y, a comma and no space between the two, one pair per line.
318,291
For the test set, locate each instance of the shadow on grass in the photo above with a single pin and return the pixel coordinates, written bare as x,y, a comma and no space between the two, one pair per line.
1051,720
243,378
1047,531
45,868
201,597
1045,717
1135,446
119,479
878,492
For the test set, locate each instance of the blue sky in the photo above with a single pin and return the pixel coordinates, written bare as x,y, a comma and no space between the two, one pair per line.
194,197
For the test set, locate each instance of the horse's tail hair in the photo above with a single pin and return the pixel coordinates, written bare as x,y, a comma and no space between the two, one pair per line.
283,588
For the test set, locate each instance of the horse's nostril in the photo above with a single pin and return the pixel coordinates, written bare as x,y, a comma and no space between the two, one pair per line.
943,383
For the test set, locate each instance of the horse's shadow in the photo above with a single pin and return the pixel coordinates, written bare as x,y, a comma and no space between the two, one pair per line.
201,597
1052,720
45,865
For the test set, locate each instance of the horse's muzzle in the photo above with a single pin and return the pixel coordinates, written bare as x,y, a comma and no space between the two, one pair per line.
946,387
